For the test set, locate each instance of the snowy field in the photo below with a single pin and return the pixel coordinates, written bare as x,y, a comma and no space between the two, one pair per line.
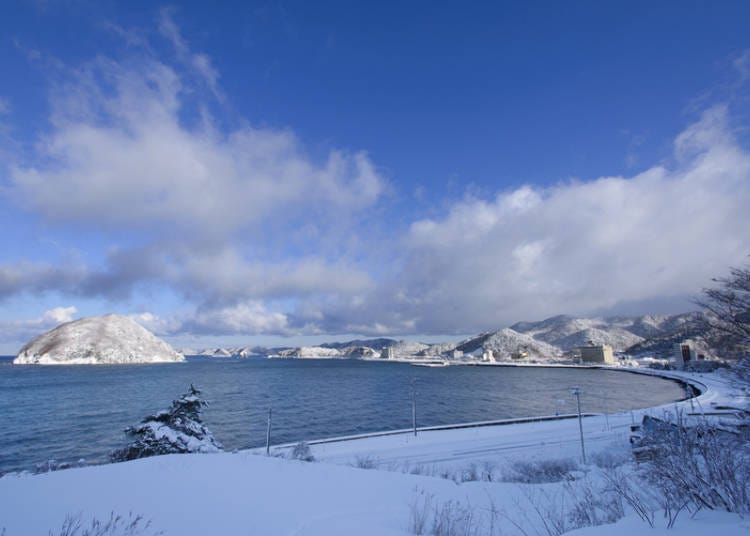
463,481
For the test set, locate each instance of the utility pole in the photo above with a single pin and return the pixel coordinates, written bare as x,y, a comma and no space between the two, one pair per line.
576,392
606,409
691,394
414,405
268,434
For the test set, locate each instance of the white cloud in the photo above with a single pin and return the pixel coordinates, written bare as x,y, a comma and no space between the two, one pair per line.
200,63
58,315
582,247
242,319
155,324
25,276
22,331
742,66
256,236
579,247
120,155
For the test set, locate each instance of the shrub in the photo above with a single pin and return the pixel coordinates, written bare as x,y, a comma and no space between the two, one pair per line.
419,512
450,518
592,506
301,451
116,525
609,460
365,462
541,472
707,465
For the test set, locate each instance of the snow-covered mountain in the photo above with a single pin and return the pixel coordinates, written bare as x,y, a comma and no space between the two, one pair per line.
507,342
232,351
544,340
408,348
375,344
621,333
439,349
311,352
109,339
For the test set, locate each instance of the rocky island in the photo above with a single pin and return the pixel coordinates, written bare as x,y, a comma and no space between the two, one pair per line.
100,340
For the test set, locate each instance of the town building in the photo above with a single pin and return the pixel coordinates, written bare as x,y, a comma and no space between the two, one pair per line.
489,356
597,353
683,353
387,353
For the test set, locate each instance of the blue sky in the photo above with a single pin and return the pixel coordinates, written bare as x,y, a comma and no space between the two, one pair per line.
288,172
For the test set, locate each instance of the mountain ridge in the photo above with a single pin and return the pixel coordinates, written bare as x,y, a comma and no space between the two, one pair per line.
549,339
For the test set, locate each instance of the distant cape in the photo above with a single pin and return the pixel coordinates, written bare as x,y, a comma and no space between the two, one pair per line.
98,340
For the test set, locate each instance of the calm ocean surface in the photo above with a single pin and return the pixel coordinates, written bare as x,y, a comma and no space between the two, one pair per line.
67,413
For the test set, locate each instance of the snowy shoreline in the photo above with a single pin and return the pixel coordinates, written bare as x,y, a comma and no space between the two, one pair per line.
248,492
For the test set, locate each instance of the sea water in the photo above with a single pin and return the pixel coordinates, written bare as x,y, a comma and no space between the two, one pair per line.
67,413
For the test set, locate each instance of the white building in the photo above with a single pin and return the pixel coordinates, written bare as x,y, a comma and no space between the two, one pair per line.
598,353
387,353
683,353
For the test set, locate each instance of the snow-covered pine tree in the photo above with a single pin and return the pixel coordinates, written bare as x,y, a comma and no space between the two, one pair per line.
176,430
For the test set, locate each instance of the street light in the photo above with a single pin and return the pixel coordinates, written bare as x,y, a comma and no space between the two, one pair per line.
414,405
576,392
268,433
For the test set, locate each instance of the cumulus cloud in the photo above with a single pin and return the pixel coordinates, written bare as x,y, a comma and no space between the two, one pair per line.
229,214
21,331
120,155
34,277
583,247
579,247
248,318
255,236
156,324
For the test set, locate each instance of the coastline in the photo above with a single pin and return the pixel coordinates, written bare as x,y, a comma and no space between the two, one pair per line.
711,391
340,493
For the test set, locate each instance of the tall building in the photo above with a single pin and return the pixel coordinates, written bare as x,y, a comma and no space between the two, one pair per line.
598,353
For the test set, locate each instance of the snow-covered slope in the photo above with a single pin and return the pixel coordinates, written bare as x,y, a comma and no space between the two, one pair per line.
310,352
408,348
359,351
440,348
506,342
543,340
109,339
375,344
619,339
620,333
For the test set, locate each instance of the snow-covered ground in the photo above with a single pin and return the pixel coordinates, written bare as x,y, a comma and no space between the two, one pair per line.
391,484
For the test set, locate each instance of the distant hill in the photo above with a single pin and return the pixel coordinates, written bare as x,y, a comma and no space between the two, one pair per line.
375,344
545,340
506,342
621,333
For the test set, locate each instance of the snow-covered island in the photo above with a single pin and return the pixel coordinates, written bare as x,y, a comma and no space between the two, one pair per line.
98,340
